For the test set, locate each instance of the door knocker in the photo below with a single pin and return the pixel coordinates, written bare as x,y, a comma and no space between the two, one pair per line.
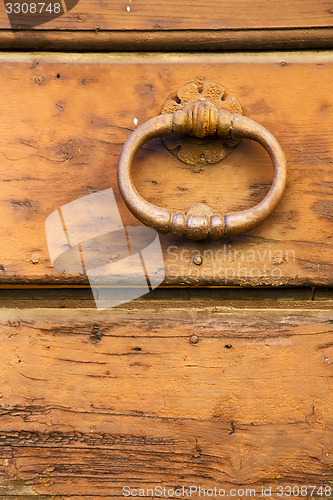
202,118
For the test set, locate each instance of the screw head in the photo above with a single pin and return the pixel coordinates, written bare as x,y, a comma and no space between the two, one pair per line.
35,258
197,260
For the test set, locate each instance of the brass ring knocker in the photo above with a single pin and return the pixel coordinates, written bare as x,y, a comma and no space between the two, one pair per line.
201,118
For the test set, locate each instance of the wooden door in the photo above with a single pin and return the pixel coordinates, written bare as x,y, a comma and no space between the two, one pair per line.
218,382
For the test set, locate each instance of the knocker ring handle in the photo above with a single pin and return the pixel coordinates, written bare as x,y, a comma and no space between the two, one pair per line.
201,118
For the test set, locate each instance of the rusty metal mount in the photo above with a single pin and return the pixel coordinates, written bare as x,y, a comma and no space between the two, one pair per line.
194,150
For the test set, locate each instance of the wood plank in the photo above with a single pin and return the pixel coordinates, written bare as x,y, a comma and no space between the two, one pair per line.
168,40
228,296
231,297
188,395
66,117
181,14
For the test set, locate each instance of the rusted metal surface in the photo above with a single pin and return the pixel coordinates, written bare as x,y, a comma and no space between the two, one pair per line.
192,149
201,118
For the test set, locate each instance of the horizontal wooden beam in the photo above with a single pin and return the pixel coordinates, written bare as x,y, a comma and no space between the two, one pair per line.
174,14
65,118
266,297
193,394
173,40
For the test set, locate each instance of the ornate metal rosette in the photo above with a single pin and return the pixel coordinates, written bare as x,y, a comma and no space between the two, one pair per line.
208,150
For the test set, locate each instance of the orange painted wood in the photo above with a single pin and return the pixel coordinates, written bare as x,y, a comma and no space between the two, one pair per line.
66,117
182,393
185,15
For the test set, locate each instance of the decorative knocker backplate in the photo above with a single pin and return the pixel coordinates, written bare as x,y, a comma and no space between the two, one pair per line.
201,118
211,149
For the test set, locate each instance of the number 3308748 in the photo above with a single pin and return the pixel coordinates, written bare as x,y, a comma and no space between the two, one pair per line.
33,8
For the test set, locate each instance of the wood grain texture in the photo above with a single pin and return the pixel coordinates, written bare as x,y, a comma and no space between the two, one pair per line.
185,14
158,394
66,117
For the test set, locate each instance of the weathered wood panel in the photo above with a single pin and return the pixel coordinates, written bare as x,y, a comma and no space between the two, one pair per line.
66,117
152,15
164,394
